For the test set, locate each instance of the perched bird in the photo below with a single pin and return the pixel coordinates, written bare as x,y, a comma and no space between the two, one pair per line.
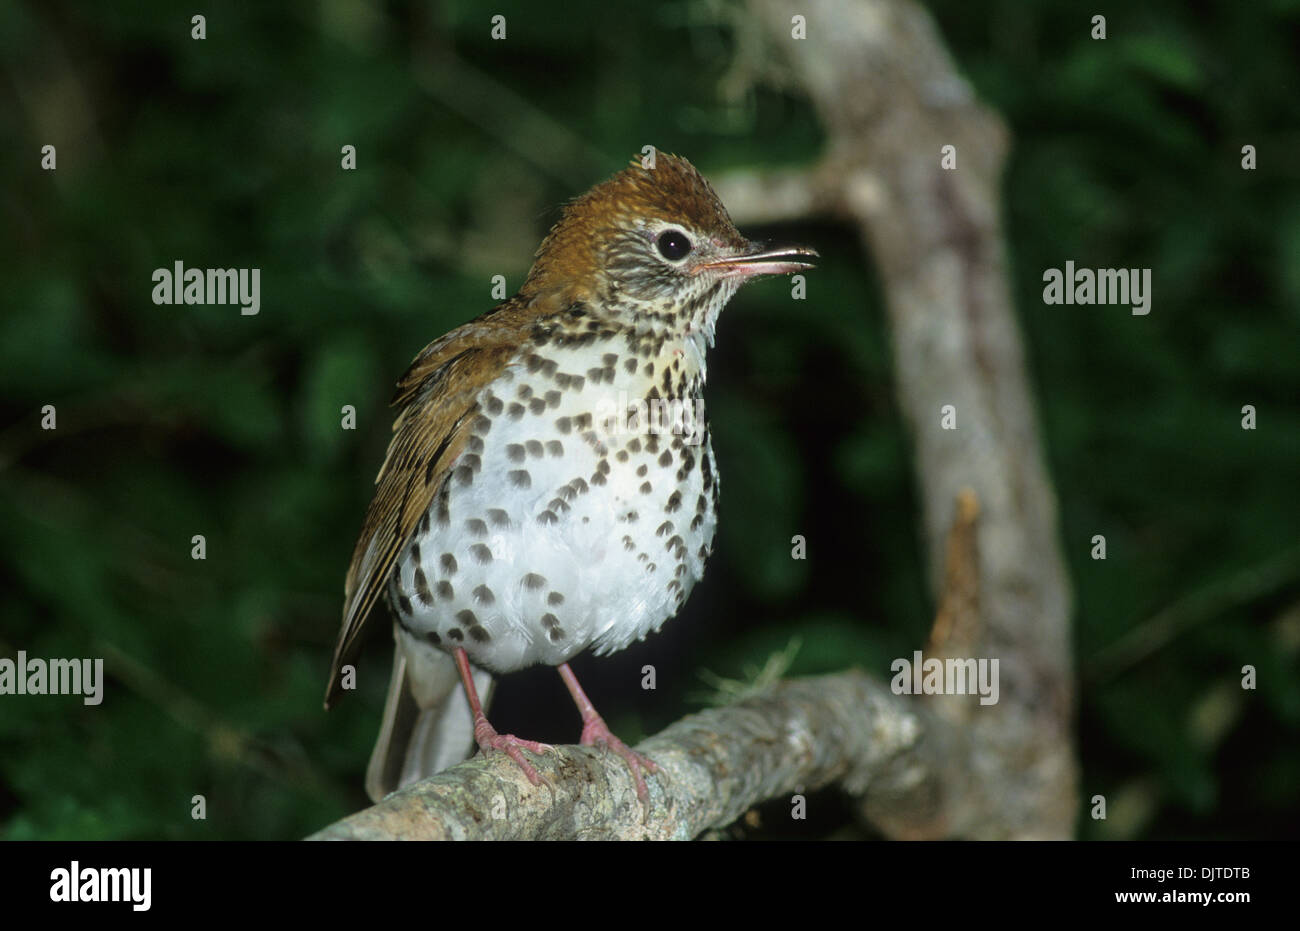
550,486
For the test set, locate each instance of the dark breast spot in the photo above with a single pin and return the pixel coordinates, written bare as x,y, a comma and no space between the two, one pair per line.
553,628
422,588
520,478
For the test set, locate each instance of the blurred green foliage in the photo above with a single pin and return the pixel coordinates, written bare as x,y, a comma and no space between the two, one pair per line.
183,420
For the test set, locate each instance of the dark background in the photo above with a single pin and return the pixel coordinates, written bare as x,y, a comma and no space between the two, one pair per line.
177,420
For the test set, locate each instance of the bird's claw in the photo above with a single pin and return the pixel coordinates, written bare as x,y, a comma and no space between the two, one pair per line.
489,741
596,733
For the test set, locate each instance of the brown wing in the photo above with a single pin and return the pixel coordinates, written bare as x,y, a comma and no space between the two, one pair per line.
437,400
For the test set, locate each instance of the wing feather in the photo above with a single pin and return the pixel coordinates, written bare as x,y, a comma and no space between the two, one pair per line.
437,398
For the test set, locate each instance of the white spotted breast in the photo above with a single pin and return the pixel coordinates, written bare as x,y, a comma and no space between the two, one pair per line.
580,514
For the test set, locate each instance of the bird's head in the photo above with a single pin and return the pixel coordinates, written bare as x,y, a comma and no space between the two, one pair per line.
654,244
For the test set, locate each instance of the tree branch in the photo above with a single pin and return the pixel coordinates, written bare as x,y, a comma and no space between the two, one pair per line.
795,736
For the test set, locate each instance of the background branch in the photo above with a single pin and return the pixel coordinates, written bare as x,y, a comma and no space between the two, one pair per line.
890,99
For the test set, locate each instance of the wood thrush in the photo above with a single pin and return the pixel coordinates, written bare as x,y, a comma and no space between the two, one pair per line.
550,486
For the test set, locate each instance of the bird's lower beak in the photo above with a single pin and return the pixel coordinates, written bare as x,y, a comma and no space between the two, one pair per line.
762,259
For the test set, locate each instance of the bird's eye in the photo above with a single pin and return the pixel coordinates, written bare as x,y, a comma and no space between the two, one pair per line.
673,245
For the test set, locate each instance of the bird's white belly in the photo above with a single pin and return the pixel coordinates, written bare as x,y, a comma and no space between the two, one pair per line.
549,541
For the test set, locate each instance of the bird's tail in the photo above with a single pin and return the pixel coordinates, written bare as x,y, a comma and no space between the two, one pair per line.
427,724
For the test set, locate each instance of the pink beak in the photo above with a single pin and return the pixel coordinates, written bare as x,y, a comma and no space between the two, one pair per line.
761,259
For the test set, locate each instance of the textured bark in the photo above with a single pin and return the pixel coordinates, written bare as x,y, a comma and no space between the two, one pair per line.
794,737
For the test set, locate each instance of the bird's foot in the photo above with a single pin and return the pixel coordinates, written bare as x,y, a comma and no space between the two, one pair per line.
489,740
596,733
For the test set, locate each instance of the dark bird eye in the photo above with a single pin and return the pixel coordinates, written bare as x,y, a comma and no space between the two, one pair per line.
673,245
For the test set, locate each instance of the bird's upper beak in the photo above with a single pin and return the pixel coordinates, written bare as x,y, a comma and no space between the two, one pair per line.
761,259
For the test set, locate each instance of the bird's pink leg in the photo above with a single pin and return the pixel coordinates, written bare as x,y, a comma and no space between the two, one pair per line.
486,735
595,731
